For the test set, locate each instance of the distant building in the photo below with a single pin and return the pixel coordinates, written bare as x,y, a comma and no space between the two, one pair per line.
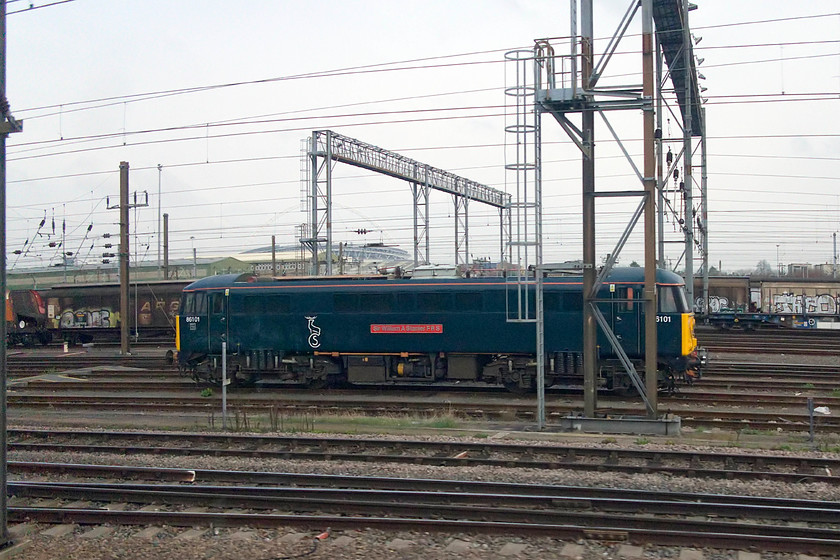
44,277
347,259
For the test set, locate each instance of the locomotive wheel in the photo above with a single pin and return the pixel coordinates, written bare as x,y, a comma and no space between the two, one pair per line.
517,389
333,381
316,384
244,379
330,375
622,386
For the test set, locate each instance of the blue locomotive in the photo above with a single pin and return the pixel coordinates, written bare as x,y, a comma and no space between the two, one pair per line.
322,331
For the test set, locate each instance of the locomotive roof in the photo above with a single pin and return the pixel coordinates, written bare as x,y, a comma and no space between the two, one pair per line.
622,275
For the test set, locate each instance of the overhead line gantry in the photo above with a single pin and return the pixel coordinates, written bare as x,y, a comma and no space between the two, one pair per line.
325,147
567,85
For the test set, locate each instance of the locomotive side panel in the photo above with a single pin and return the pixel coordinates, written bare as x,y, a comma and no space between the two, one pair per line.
369,318
365,330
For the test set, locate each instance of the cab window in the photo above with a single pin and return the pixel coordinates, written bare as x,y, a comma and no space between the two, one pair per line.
200,303
218,303
189,303
629,305
672,300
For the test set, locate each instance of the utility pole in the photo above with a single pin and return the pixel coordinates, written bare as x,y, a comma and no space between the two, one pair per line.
590,328
160,270
166,246
8,125
273,256
195,266
649,133
124,252
687,169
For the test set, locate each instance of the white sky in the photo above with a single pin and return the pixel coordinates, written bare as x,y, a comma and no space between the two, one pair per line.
99,67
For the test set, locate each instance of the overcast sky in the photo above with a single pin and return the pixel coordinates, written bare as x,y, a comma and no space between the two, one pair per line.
220,94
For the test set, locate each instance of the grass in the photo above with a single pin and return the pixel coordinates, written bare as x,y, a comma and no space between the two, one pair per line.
754,432
207,392
275,421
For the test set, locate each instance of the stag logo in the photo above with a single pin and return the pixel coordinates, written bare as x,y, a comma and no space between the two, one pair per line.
314,332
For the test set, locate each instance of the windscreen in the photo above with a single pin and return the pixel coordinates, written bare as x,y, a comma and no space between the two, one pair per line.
672,299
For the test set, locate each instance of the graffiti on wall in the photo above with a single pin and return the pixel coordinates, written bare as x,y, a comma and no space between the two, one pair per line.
822,304
86,318
716,304
157,312
149,308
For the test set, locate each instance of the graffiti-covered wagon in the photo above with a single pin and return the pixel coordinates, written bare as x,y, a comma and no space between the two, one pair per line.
91,312
784,302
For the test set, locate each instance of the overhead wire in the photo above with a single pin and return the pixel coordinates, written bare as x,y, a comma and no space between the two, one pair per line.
766,136
32,7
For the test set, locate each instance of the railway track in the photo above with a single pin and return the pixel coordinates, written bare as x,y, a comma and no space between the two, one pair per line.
502,408
771,341
267,500
181,388
583,514
131,379
705,464
23,364
777,394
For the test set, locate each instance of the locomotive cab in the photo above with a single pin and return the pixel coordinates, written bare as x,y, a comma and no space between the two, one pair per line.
202,327
623,306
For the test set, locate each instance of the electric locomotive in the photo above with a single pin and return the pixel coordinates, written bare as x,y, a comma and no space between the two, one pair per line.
376,330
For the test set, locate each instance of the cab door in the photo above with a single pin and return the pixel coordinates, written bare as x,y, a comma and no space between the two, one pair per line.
217,320
627,318
193,324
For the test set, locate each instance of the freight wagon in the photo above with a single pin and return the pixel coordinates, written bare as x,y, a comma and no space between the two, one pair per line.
83,313
750,303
